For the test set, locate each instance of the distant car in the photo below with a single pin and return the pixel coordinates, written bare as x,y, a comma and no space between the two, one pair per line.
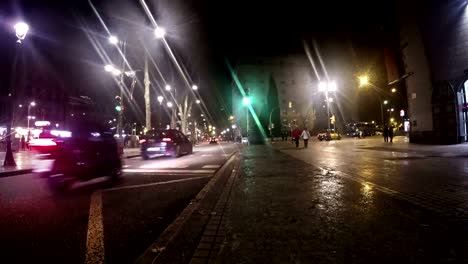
245,140
328,136
167,142
213,140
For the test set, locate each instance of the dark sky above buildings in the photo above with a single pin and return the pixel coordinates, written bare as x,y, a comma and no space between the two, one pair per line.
201,33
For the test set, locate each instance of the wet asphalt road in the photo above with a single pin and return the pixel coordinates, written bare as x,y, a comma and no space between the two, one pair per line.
38,226
353,201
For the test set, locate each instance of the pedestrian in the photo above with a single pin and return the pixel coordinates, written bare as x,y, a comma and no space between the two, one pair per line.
385,133
305,136
23,142
390,133
296,135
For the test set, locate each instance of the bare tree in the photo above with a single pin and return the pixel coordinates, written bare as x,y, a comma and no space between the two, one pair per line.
306,117
147,95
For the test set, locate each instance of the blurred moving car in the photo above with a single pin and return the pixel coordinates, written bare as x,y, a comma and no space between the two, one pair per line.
167,142
85,153
245,140
213,140
332,135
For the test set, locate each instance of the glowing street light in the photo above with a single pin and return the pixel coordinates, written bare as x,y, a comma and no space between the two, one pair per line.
168,87
246,101
393,90
363,80
160,99
31,104
194,87
113,40
21,29
197,101
108,68
159,32
385,102
169,104
116,72
327,87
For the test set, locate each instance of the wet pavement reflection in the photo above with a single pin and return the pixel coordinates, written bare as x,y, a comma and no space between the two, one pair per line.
284,210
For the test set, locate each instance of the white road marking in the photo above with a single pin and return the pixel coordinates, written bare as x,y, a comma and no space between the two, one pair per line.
164,166
171,171
154,184
206,155
95,236
211,166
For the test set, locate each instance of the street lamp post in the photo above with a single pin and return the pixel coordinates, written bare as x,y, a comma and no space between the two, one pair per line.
160,100
247,101
364,81
32,104
327,87
117,72
21,29
271,124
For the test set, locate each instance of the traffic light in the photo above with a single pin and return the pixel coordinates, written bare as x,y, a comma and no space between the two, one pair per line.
332,118
118,103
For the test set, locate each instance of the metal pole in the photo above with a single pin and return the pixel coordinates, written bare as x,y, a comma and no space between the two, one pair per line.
247,120
271,125
29,109
328,111
120,113
381,112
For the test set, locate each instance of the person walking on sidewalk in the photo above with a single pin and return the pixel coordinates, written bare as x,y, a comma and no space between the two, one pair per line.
385,133
390,133
305,136
23,143
296,135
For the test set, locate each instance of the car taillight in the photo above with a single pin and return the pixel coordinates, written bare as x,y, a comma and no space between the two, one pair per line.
142,141
167,139
42,142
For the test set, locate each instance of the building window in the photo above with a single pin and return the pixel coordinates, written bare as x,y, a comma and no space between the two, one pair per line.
290,104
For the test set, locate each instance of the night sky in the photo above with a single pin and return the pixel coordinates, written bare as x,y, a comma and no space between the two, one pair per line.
201,33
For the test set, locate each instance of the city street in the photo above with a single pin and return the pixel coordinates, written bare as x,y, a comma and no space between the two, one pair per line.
348,201
119,221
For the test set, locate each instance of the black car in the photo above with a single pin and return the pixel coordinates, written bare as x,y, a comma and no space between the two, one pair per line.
213,140
84,154
168,142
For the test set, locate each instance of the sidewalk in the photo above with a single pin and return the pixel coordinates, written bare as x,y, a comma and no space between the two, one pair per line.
282,210
25,161
399,144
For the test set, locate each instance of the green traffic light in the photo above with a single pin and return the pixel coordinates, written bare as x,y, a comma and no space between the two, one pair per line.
246,100
118,108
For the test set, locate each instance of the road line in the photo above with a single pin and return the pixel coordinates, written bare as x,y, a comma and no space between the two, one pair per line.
206,155
95,236
211,166
172,171
164,166
154,184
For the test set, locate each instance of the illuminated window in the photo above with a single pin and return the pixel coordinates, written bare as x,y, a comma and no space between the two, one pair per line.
290,104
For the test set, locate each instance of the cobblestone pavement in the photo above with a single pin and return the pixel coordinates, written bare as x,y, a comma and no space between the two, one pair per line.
284,210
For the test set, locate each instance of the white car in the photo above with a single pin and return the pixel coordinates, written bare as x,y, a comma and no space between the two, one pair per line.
245,140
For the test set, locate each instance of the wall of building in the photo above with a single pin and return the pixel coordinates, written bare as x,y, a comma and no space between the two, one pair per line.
419,84
282,84
434,42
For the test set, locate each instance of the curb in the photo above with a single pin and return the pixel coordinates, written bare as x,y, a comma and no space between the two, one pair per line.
15,172
132,156
166,244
